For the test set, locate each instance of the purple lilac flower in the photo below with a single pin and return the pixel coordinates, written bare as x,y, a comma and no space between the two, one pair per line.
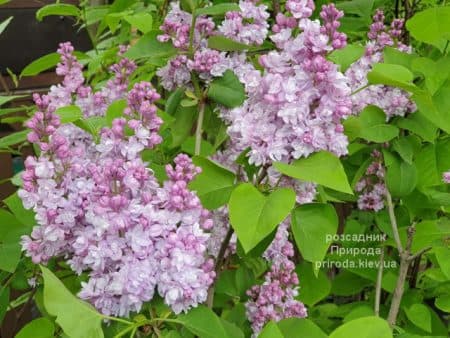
371,186
99,207
394,101
275,298
446,177
248,26
300,99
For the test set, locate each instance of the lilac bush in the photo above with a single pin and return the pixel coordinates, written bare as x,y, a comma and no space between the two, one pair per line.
206,166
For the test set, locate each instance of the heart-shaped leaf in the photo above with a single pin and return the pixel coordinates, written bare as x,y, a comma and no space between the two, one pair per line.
312,225
254,216
69,310
322,168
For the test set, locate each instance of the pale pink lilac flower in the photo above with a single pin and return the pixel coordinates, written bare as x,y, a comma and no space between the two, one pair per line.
275,299
100,208
393,101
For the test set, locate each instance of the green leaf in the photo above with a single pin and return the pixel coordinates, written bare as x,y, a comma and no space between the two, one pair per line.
115,110
219,9
174,100
404,148
39,65
182,126
188,146
371,126
391,75
57,9
10,232
346,56
436,108
38,328
426,165
322,168
6,99
271,330
427,233
70,311
435,72
443,258
92,124
214,184
204,323
4,302
313,289
291,327
392,55
5,24
420,316
419,125
366,327
69,114
14,138
227,90
254,216
311,225
224,44
359,312
150,48
443,303
431,26
24,216
401,178
188,5
141,21
231,329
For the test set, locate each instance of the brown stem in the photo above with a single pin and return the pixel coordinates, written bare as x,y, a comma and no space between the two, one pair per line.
262,175
198,130
405,260
393,220
218,266
276,8
378,285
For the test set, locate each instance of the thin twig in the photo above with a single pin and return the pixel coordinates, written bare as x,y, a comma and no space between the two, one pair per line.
403,272
393,222
378,285
218,265
198,130
419,253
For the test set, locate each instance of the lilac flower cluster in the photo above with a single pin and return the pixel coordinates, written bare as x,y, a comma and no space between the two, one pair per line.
275,298
99,207
371,186
248,26
300,99
394,101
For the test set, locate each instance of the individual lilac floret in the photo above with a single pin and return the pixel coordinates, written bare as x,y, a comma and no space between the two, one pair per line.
371,186
275,298
249,25
300,9
393,101
446,177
